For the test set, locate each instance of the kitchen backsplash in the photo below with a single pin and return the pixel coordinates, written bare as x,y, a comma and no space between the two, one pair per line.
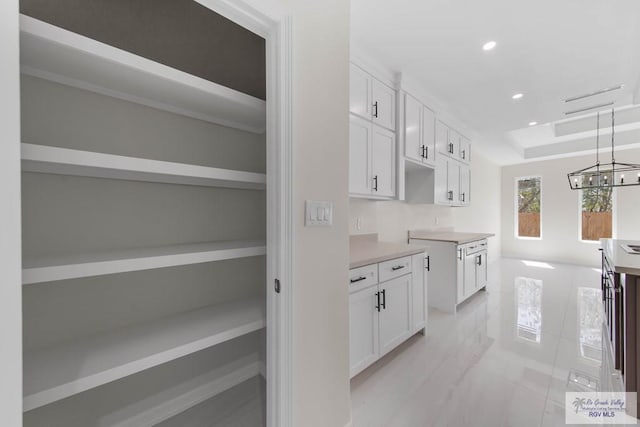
392,219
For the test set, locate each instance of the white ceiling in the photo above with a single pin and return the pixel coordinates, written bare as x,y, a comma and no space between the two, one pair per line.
547,49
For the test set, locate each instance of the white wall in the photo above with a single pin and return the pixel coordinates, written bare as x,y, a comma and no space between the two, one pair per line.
392,219
10,258
559,215
321,162
321,395
484,213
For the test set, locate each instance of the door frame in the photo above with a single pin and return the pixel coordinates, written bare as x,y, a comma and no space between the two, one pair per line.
10,218
277,32
278,35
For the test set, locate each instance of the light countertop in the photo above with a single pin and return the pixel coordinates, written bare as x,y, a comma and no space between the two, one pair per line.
622,261
366,249
448,236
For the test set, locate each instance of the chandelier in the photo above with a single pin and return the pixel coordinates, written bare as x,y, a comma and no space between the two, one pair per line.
603,175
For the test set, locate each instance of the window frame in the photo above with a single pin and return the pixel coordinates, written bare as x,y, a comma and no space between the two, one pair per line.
515,207
613,218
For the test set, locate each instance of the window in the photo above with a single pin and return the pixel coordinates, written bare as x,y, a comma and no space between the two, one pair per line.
528,207
596,212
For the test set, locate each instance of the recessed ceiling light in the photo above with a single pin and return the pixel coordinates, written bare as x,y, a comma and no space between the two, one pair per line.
517,96
533,123
489,45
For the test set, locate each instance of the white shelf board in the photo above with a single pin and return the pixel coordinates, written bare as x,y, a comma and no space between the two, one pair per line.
56,54
62,371
48,269
65,161
184,396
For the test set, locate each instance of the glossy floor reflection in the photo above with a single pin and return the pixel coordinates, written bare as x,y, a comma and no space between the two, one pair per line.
506,358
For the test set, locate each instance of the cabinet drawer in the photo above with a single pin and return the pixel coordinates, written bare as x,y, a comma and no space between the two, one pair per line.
362,277
394,268
475,247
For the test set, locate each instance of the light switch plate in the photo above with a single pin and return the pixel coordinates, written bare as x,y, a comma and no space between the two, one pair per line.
318,214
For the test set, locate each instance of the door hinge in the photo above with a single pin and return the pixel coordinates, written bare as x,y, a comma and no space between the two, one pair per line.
277,286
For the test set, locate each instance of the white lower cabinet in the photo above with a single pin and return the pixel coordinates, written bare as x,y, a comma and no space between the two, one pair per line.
383,315
469,281
457,271
459,274
395,312
363,328
420,264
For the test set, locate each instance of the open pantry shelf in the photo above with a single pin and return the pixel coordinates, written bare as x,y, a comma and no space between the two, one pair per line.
184,396
65,57
55,373
64,161
52,268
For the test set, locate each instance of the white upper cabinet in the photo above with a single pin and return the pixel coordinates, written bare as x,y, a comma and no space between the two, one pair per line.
372,157
451,143
441,193
383,108
453,147
413,147
359,156
465,185
360,92
429,135
453,182
371,99
383,155
442,138
465,150
372,137
419,127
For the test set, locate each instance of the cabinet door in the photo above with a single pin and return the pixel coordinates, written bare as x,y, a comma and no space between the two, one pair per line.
465,150
469,275
442,138
363,329
413,128
429,135
418,292
395,322
454,144
453,181
465,186
359,156
383,160
383,108
481,270
440,181
460,272
359,92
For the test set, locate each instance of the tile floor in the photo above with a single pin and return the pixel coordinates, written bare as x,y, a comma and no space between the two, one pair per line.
505,359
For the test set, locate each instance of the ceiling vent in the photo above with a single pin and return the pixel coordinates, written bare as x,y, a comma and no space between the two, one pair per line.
597,92
593,107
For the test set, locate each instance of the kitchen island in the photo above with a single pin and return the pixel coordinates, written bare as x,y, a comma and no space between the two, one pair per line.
458,265
621,299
